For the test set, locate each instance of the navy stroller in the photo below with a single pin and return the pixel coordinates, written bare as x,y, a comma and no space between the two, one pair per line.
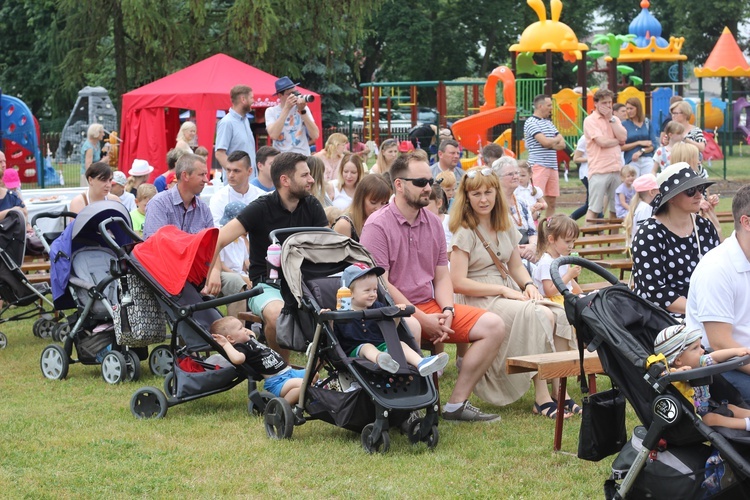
621,327
80,269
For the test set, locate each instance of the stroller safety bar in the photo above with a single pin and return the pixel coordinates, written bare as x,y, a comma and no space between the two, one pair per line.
694,375
52,215
554,272
382,313
210,304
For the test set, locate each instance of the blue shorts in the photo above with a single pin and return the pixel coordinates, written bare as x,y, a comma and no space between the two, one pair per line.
275,383
259,302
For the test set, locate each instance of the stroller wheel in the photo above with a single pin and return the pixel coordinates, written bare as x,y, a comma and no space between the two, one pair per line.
382,445
114,367
160,361
3,340
415,434
148,402
54,362
256,411
60,331
169,388
45,327
35,327
279,419
133,365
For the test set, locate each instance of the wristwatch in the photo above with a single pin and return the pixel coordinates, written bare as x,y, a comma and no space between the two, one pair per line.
526,285
450,308
303,112
611,119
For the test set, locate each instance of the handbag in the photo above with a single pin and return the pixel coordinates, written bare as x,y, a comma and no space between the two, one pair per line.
602,425
142,322
498,263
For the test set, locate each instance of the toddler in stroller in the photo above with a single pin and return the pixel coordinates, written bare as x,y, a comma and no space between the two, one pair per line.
682,349
364,339
242,348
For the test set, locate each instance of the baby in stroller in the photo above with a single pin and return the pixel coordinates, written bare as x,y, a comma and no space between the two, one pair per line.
363,338
682,349
242,348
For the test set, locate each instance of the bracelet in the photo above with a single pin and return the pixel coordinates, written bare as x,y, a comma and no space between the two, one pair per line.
303,112
526,285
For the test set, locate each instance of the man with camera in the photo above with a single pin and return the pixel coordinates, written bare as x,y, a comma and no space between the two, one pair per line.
290,123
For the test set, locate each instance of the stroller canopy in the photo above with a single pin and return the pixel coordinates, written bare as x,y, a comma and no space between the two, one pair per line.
318,247
13,236
173,257
82,233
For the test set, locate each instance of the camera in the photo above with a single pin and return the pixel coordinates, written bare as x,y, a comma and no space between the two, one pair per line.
306,98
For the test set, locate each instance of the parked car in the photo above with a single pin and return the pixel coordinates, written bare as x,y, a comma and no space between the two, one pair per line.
397,119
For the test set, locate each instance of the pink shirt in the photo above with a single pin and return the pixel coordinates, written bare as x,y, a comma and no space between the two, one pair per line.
601,160
409,252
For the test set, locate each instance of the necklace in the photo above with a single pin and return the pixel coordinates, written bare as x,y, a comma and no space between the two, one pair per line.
517,215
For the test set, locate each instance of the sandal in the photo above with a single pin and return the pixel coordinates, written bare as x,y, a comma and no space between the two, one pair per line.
572,407
548,410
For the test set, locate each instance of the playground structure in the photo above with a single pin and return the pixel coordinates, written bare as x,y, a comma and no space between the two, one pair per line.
727,62
19,134
93,105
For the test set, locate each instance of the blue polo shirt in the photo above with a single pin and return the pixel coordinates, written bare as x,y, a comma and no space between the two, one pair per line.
233,134
167,208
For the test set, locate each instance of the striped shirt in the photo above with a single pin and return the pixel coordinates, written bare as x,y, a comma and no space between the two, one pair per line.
538,154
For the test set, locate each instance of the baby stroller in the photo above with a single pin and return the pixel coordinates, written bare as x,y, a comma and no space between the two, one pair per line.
668,456
80,265
173,292
15,288
356,395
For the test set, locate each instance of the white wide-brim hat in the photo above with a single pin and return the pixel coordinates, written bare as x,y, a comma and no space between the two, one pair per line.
140,167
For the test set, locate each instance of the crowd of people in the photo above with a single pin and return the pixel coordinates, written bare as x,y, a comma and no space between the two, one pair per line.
485,237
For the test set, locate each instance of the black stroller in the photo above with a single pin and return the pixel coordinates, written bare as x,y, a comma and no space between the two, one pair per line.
668,456
15,288
356,395
192,375
80,264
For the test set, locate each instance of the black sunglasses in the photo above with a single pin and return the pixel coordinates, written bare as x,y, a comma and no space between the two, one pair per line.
690,192
420,182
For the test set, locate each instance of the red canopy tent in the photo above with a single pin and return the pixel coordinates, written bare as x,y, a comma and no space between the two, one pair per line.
150,114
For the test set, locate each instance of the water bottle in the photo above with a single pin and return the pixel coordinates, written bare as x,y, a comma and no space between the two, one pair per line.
344,299
273,256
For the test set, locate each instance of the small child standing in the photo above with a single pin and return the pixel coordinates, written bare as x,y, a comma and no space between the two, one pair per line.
646,188
556,237
526,191
439,206
447,181
241,347
682,349
143,195
363,338
674,133
625,191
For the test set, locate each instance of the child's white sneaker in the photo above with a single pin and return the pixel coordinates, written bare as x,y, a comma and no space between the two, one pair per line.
432,364
387,363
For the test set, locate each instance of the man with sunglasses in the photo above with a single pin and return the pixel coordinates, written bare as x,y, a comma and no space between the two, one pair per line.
719,286
409,243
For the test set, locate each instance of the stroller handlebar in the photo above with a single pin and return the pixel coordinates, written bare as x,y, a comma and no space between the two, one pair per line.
52,215
554,272
372,314
702,372
108,237
274,235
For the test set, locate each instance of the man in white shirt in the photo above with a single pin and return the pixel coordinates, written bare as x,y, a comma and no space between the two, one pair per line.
717,298
238,170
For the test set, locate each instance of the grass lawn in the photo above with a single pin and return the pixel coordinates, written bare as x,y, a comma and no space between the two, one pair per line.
77,438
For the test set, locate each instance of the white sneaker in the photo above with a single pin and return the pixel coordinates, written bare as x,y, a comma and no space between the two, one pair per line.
387,363
432,364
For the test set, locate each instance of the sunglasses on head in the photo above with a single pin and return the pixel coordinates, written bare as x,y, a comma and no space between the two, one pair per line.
690,192
486,171
420,182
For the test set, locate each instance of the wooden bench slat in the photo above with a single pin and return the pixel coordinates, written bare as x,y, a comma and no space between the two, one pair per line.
600,239
598,228
554,364
611,250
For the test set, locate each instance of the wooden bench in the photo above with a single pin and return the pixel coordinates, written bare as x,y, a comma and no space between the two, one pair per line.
599,228
623,265
557,365
36,271
601,251
725,217
605,220
599,239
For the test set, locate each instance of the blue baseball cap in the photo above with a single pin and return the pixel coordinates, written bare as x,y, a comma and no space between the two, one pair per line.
356,271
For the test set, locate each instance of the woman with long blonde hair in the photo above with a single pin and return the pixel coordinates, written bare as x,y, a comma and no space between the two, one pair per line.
186,135
388,153
321,189
350,174
482,231
371,194
332,154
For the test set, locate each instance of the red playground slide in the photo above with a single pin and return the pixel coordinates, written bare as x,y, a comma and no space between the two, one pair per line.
472,132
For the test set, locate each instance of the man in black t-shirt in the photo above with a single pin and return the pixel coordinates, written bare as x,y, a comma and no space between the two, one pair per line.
291,205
